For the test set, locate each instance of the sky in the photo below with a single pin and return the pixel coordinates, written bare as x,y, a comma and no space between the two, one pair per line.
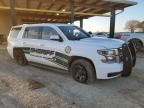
101,24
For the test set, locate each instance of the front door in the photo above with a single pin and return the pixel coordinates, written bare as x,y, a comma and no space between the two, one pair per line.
53,50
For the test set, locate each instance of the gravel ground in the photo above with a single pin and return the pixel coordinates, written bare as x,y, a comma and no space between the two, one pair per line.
61,91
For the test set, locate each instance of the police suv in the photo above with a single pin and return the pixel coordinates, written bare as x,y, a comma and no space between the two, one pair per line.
67,47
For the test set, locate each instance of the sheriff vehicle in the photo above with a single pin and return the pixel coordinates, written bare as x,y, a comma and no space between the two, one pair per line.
67,47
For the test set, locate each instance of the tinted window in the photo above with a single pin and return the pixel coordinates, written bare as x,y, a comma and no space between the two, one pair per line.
33,33
74,33
14,33
100,34
48,32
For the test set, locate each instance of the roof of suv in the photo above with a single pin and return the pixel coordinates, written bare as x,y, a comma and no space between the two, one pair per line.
42,24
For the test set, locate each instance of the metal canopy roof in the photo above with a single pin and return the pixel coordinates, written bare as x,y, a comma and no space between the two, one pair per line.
58,11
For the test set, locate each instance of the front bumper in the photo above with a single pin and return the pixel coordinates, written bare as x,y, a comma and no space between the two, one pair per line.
108,71
124,68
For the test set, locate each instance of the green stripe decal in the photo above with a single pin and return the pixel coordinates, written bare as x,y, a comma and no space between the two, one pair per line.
61,62
62,55
59,59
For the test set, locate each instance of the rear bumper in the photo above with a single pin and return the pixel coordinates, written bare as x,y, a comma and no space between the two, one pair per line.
10,51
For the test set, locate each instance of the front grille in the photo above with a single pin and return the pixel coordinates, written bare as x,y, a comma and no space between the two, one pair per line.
113,74
121,52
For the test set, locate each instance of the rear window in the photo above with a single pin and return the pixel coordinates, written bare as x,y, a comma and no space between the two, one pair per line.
14,33
33,33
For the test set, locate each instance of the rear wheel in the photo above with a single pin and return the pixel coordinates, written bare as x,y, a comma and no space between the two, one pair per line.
82,71
20,57
138,44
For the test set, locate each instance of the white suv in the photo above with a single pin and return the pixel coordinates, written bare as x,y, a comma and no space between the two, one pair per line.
137,38
68,47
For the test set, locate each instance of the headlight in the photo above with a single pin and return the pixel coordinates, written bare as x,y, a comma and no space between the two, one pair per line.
108,52
111,55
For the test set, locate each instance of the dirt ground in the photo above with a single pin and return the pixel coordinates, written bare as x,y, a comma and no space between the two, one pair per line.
61,91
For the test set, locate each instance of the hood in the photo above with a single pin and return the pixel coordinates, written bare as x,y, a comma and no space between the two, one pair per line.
104,42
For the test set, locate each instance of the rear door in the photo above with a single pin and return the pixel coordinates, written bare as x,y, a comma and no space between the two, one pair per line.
31,44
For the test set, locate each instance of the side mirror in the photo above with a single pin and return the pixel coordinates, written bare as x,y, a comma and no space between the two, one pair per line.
56,38
90,32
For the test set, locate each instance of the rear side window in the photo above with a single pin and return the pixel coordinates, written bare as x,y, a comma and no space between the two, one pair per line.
14,33
48,32
33,33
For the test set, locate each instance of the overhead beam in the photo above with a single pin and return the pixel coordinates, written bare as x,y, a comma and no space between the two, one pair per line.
95,4
77,9
87,10
60,8
51,11
104,10
52,4
39,5
80,8
45,16
43,21
95,8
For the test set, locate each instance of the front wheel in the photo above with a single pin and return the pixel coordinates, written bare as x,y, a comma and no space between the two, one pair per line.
82,71
137,43
127,61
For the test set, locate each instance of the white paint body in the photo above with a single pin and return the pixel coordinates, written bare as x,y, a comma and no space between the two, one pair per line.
129,36
86,48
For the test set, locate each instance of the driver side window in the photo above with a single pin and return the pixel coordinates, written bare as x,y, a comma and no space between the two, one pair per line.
76,33
48,32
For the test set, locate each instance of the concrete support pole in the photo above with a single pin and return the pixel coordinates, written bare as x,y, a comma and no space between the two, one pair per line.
13,12
71,11
112,23
81,23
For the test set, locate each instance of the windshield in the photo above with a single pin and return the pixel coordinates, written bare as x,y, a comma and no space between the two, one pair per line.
74,33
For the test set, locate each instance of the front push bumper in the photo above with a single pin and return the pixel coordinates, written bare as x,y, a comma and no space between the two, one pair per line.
108,71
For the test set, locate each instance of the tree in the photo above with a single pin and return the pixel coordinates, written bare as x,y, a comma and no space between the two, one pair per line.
132,25
141,26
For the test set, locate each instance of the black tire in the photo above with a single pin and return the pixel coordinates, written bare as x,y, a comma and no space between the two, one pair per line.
133,52
82,71
20,57
128,63
138,44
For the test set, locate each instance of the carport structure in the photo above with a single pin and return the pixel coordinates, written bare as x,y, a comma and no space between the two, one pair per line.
62,11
